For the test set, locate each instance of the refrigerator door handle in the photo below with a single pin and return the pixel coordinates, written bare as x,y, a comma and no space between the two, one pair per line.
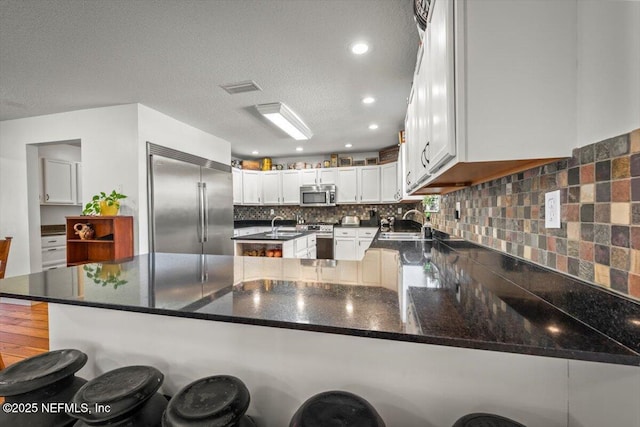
205,221
200,212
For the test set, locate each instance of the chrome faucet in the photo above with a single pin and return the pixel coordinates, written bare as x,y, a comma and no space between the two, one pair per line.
414,211
274,229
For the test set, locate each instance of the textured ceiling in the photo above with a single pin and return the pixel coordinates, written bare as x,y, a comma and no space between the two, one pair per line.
58,56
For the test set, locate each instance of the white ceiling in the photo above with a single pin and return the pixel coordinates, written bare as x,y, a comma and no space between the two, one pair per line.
58,56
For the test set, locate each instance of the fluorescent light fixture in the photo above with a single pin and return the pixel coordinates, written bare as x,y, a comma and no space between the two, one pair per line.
373,126
368,100
283,117
359,48
348,145
299,148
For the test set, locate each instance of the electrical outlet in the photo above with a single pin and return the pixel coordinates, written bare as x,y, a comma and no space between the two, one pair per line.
399,210
272,211
457,214
552,209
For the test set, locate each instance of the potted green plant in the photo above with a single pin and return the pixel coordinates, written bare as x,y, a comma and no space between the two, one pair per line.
431,203
104,204
105,274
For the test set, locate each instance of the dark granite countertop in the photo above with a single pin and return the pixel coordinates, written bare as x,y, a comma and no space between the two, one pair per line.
279,238
53,230
446,296
263,223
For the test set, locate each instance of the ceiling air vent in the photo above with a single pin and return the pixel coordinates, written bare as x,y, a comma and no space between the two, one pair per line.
240,87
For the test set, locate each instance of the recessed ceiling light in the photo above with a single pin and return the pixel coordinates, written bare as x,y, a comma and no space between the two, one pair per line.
373,126
299,148
254,152
348,145
359,48
368,100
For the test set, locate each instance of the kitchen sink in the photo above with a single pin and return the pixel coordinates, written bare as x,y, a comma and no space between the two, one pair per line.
282,234
400,235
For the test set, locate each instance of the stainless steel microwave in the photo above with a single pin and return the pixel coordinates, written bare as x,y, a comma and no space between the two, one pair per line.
318,195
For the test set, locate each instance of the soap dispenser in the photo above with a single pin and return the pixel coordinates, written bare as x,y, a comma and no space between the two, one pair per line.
427,232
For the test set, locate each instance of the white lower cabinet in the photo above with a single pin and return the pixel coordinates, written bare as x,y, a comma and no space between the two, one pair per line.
351,243
54,252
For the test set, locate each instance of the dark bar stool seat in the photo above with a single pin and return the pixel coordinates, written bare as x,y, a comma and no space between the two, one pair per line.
122,397
485,420
216,401
47,378
336,408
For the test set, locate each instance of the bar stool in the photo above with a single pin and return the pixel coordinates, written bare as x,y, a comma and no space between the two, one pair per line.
124,396
480,419
336,408
38,385
216,401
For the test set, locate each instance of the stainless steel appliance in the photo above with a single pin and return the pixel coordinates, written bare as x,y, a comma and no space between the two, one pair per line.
318,195
190,203
324,241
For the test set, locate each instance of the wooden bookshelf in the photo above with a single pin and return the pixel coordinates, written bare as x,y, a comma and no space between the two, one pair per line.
113,239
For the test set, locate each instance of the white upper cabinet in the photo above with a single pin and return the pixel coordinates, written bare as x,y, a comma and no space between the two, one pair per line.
347,186
271,183
251,188
58,182
318,176
308,177
327,176
492,93
291,187
389,191
78,180
369,184
438,82
237,186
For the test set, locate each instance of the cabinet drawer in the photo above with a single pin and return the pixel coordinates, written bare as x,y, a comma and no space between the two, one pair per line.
368,233
344,232
51,241
53,255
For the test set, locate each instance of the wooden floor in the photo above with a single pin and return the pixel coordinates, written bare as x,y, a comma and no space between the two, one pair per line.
24,331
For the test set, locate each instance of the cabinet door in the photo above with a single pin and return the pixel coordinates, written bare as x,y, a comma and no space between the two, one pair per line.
271,188
369,184
57,182
344,249
309,177
237,186
251,188
411,141
441,108
291,187
389,178
327,176
347,186
78,181
423,119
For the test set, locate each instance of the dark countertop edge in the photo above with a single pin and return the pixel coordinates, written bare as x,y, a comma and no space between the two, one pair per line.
62,233
245,223
619,359
261,237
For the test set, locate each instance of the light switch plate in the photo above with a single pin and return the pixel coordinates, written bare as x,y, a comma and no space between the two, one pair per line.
552,209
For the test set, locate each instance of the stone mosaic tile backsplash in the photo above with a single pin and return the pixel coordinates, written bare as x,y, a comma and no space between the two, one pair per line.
599,238
331,214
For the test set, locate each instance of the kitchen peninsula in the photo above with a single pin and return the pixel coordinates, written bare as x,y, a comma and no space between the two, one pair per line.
458,316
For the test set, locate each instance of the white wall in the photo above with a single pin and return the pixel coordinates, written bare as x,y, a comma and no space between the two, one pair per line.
608,69
109,157
166,131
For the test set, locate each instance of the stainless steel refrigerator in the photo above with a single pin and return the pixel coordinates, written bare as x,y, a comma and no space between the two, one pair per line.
190,203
